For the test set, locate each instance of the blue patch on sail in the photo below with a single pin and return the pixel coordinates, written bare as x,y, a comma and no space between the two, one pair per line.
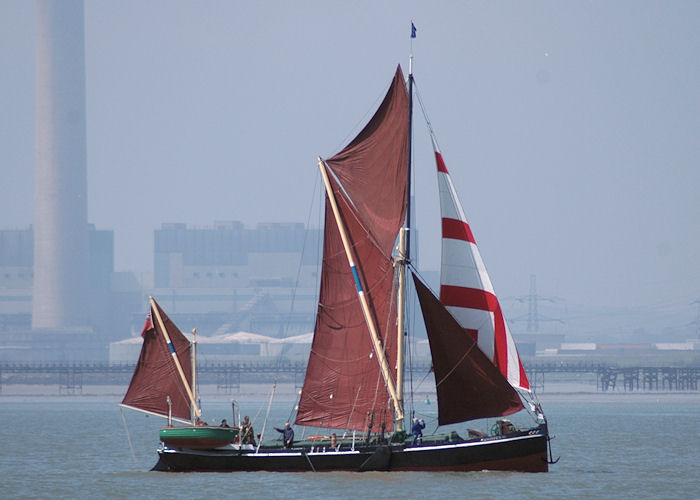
357,278
171,347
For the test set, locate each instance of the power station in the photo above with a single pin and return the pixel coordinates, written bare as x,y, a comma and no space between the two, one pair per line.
60,181
60,299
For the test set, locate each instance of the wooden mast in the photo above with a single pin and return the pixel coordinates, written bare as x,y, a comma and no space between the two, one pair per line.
381,357
194,367
400,328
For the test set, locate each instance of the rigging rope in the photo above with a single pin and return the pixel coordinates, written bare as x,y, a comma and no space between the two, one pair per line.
262,433
425,113
286,347
128,437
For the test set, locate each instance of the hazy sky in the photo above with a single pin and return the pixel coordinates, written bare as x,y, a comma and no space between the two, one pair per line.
571,129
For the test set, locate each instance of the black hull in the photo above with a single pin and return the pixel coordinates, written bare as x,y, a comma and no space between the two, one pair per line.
526,452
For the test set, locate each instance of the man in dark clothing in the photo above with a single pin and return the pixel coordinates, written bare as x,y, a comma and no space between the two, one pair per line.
417,430
287,435
247,433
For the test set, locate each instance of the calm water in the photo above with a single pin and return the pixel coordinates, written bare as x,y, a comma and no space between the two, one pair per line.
621,446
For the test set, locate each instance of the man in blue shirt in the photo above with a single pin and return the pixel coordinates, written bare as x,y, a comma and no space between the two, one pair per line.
287,435
417,430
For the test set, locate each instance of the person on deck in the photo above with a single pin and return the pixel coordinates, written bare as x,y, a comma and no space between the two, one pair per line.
224,423
247,434
417,431
287,435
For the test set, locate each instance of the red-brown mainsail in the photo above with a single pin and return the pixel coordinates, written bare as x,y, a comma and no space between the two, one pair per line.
344,386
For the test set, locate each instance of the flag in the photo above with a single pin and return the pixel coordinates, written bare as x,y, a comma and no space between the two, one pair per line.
413,30
147,326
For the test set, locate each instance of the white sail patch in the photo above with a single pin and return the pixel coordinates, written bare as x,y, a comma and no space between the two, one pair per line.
462,266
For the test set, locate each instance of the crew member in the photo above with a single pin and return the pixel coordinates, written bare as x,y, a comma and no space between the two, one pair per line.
417,431
287,435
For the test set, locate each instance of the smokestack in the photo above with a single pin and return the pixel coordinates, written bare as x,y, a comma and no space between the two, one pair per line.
60,181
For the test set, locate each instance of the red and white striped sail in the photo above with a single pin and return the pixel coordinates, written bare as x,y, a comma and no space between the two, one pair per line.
465,286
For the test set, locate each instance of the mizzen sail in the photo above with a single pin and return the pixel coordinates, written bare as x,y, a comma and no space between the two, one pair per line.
344,387
468,385
156,377
465,286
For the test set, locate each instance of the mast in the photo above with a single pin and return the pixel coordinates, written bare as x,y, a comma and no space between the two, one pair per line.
194,368
410,141
177,361
381,357
403,259
400,314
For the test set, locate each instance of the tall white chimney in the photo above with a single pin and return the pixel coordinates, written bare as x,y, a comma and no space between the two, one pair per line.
60,181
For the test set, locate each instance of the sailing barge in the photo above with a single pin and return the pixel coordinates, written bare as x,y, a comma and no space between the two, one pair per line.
355,376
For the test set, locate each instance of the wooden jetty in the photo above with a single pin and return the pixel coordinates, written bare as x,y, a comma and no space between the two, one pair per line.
228,376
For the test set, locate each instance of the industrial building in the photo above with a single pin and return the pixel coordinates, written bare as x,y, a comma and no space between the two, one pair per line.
228,278
221,280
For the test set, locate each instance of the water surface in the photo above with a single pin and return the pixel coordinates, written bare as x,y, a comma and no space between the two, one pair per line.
622,446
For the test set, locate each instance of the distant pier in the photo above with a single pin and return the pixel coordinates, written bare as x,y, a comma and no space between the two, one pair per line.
628,379
70,377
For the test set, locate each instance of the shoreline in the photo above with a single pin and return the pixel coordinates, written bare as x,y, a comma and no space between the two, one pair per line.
288,392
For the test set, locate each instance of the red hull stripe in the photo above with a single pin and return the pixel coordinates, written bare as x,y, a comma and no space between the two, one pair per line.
457,230
440,163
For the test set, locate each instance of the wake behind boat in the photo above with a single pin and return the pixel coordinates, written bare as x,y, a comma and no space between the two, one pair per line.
355,375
